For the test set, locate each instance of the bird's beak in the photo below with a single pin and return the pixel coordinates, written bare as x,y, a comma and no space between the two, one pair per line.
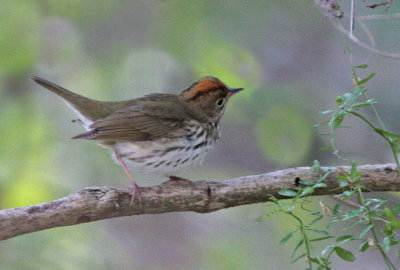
234,90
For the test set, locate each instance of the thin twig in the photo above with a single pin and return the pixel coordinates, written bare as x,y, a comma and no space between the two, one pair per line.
352,12
364,45
383,3
347,202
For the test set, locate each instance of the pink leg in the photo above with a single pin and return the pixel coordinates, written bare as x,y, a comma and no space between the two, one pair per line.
135,187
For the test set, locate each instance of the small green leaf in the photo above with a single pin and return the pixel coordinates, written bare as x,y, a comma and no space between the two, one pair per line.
327,112
298,257
307,182
321,124
297,247
287,193
326,148
318,185
367,229
363,246
316,220
345,254
343,184
338,119
353,168
306,191
363,66
290,208
321,238
387,133
287,237
327,250
386,244
363,81
318,231
344,237
358,91
392,218
347,194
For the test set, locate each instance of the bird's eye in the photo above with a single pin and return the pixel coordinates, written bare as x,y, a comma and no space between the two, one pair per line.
220,101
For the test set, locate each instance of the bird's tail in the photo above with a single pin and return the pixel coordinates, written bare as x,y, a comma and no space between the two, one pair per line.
88,110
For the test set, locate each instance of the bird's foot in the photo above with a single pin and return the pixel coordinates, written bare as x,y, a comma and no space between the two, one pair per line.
174,179
135,194
134,186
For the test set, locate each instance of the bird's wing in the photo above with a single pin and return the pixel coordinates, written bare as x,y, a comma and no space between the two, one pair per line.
140,122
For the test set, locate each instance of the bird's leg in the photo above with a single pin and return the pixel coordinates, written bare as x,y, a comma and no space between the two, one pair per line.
135,187
173,178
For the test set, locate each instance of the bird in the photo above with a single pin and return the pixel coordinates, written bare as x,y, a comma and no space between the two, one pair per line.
158,134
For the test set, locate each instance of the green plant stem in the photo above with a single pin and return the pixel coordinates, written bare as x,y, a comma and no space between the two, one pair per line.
361,201
305,237
383,136
377,116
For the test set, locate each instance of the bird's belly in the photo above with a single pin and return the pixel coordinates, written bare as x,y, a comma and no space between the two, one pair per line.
163,157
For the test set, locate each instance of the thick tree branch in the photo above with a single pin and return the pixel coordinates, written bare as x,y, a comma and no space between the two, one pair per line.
96,203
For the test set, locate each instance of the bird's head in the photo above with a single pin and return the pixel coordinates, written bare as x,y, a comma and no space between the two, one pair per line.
206,99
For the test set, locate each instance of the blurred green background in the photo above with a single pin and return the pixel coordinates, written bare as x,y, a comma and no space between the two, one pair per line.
286,55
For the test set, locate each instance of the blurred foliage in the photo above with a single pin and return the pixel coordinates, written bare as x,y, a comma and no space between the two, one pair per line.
23,157
82,11
19,35
285,134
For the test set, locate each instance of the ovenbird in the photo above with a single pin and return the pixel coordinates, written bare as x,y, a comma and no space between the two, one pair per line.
158,134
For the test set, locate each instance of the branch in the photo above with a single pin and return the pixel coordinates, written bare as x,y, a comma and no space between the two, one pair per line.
96,203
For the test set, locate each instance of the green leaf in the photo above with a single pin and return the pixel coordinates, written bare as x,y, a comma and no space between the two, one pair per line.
317,185
321,124
327,250
336,209
287,193
287,237
343,184
321,238
306,191
363,246
326,148
363,66
392,218
338,119
353,168
387,133
307,182
297,247
367,229
298,257
369,102
363,81
345,254
350,227
347,194
318,231
386,244
290,208
344,237
327,112
316,220
358,91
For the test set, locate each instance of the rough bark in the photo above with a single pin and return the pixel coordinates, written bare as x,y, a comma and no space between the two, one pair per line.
96,203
